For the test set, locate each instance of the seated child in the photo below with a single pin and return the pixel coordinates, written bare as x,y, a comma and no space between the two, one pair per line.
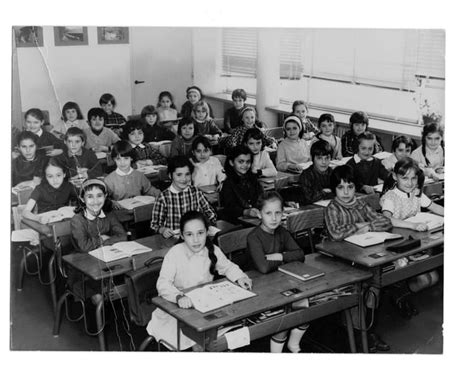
98,138
293,150
402,147
359,123
405,199
315,180
207,169
232,118
153,130
179,198
204,124
248,119
347,215
300,109
367,168
271,245
241,187
194,95
326,124
29,165
430,155
113,120
71,116
167,113
94,224
262,165
52,193
182,143
81,163
34,120
125,182
188,264
144,153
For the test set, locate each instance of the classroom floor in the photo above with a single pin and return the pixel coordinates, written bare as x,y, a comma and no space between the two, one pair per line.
32,324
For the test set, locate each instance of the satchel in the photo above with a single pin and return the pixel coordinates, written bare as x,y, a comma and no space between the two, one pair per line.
141,288
406,245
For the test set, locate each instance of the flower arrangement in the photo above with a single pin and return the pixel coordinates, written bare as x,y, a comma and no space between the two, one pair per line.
428,114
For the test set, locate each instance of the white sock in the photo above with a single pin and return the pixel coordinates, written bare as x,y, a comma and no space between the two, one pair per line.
277,344
295,337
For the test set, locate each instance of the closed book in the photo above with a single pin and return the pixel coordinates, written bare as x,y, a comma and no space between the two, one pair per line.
371,238
300,270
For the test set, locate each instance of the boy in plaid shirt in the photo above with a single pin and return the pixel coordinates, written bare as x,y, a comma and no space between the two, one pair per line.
113,120
179,198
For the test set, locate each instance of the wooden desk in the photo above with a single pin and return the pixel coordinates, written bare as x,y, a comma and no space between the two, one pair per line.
361,256
282,179
202,328
92,268
211,193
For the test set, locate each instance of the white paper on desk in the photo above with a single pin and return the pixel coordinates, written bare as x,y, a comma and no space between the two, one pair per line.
432,220
343,161
323,203
378,188
238,338
382,155
133,202
306,164
101,155
25,235
56,215
371,238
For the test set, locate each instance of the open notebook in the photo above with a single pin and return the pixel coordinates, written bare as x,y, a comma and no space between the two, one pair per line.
371,238
432,220
131,203
56,215
217,295
119,250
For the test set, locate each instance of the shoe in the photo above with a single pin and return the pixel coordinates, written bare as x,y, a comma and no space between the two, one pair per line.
404,307
376,344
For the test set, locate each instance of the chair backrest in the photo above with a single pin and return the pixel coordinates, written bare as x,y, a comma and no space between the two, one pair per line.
24,195
233,244
165,148
62,238
16,216
134,117
305,219
221,158
142,213
219,122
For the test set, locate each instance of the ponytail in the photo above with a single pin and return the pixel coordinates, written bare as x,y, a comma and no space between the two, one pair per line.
212,257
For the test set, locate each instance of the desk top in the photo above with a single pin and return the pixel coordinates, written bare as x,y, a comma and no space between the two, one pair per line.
361,255
268,288
43,229
280,180
97,269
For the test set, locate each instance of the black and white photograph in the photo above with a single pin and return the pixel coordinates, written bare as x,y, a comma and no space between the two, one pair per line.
272,192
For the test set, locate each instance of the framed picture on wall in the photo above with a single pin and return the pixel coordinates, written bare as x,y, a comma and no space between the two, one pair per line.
112,35
28,36
70,35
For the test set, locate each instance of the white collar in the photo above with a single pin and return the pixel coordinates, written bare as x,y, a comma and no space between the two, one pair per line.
141,145
405,194
40,132
90,217
122,173
357,158
175,190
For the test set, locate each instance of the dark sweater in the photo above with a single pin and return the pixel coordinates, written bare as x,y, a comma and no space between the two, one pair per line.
367,172
23,170
261,243
48,198
187,109
231,119
157,133
87,159
313,182
350,144
48,139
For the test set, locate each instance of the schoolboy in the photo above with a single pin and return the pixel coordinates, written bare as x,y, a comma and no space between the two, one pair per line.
367,168
315,179
359,123
232,117
113,120
98,138
80,162
154,132
29,165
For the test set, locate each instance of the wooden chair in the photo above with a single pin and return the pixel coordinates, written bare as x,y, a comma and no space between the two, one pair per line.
142,213
233,244
306,221
165,148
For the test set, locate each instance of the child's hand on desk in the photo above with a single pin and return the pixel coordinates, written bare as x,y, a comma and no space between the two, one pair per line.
245,283
251,212
368,189
421,227
295,168
184,302
36,181
274,257
104,237
100,149
166,232
363,227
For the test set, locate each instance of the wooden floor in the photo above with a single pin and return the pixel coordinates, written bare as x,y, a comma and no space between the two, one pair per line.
32,324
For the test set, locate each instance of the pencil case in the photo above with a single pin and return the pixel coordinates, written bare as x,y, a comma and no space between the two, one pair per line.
406,245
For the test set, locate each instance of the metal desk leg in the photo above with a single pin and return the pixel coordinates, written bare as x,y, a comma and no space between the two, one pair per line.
350,331
98,300
52,282
363,327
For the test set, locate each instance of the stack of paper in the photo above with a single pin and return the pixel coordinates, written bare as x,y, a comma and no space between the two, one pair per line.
371,238
132,203
433,221
119,250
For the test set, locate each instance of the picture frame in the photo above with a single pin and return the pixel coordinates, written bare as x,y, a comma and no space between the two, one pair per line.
70,35
28,36
110,35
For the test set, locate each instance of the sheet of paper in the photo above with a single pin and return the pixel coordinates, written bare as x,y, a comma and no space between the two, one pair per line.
382,155
432,220
238,338
371,238
324,203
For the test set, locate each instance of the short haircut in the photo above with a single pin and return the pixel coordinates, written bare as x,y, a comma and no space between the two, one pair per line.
35,113
409,142
185,122
239,93
340,174
27,135
149,110
96,112
268,196
253,133
200,139
55,161
132,125
359,117
298,103
124,149
106,98
179,162
71,106
326,118
75,131
366,136
321,148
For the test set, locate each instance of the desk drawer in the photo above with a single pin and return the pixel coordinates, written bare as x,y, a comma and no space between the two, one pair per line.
118,292
292,319
411,270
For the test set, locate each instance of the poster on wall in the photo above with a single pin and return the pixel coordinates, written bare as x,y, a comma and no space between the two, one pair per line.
112,35
28,36
70,35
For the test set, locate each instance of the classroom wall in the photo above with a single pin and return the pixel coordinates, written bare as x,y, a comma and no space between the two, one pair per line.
52,75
